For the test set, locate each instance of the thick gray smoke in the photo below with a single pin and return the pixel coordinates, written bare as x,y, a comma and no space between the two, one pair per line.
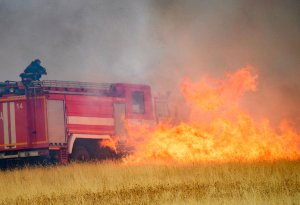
101,41
157,42
211,37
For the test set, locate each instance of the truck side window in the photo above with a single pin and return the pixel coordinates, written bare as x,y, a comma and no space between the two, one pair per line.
138,102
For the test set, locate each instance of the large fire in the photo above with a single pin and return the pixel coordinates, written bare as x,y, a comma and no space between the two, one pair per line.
219,129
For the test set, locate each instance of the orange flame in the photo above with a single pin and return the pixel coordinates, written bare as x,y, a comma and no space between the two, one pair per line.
218,130
108,143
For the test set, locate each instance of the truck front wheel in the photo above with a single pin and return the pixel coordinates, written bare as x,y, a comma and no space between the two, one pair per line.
80,154
3,164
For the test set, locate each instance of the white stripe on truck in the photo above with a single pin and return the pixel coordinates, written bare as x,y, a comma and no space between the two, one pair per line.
5,124
12,123
90,120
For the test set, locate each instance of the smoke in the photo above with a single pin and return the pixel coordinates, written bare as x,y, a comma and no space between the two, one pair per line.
101,41
212,37
157,42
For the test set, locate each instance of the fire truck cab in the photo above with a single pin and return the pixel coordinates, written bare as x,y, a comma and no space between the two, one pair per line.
62,119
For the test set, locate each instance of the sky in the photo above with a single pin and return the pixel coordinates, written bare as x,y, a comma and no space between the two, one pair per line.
158,42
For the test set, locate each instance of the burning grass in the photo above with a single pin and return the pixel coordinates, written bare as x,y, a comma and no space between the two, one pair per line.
117,183
219,128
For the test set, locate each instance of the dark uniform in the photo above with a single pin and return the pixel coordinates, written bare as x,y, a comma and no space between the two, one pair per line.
34,71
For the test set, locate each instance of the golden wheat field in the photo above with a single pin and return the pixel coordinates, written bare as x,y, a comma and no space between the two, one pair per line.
117,183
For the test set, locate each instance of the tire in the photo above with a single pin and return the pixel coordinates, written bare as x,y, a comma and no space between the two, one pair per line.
80,154
3,164
106,153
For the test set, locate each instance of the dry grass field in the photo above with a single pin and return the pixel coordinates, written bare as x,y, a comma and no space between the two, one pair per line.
118,183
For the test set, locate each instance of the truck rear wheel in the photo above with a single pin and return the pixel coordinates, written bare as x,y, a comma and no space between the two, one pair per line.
80,154
106,153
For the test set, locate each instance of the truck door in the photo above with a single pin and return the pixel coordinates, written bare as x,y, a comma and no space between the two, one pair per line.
56,121
37,119
161,109
119,114
13,124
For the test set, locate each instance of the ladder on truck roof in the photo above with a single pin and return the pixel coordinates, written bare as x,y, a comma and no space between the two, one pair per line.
73,87
72,84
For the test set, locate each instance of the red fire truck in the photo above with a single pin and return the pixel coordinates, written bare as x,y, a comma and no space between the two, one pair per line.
59,120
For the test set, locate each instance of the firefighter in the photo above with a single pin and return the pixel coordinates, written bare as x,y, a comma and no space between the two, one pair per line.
33,72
